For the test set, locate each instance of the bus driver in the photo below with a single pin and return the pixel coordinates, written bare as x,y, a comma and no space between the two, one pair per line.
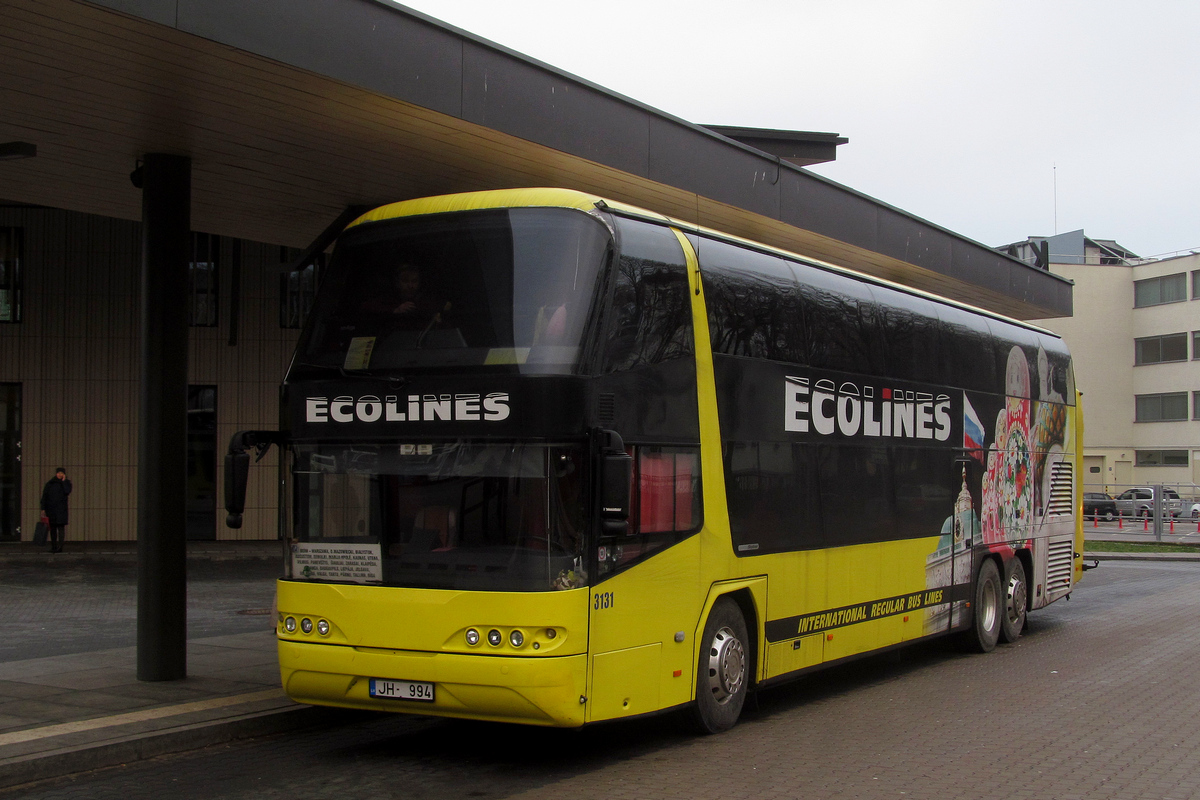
407,305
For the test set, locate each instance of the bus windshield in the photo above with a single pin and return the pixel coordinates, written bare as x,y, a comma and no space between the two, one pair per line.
440,516
510,289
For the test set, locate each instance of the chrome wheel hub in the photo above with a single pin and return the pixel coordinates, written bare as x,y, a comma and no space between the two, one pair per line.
988,612
726,665
1016,596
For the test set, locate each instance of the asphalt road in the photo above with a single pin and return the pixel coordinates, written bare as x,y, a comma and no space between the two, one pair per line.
1097,700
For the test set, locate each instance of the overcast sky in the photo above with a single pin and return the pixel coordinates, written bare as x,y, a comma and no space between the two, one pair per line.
964,112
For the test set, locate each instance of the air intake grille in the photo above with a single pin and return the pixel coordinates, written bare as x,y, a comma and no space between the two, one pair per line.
1060,563
1061,484
606,408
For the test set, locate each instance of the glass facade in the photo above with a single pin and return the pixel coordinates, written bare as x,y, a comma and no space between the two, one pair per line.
11,256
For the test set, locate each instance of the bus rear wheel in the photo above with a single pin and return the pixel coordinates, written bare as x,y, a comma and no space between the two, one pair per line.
1016,596
723,669
984,632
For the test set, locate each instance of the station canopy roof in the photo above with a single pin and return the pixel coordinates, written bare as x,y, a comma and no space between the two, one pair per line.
293,110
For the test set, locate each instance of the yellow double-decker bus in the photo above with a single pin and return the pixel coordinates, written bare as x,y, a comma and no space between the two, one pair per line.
556,460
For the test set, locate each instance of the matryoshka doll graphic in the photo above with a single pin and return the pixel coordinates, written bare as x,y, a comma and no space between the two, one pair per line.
1008,484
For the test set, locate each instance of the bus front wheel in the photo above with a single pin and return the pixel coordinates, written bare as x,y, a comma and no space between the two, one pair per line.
987,608
722,673
1016,593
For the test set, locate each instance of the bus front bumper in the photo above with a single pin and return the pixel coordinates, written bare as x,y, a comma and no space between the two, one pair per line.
534,691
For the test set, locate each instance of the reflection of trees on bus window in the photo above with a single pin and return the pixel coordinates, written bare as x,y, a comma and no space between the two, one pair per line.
651,319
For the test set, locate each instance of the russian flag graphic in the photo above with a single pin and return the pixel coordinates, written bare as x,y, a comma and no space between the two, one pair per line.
973,435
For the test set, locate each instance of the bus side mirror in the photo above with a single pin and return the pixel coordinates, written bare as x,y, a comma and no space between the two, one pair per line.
237,469
237,473
615,468
616,474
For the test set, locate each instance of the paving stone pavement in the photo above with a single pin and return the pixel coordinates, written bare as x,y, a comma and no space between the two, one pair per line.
1096,701
69,694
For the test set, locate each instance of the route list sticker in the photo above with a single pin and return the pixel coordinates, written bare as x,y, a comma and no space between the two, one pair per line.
358,563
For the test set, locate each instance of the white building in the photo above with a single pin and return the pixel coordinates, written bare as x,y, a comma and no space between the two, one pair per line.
1135,337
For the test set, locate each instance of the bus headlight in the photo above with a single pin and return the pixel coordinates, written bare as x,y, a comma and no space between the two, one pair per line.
516,638
289,624
494,638
472,637
306,625
322,627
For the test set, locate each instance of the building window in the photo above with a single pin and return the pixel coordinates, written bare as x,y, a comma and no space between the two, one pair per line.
202,280
1196,405
1160,349
297,289
12,243
1167,407
1196,284
1156,291
1162,458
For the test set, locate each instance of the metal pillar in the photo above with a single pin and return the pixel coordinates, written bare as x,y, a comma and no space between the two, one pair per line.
162,418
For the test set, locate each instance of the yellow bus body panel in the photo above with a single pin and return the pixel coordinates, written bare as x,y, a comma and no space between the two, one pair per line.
534,691
420,635
635,617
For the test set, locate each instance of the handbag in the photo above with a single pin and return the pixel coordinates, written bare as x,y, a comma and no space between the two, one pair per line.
40,530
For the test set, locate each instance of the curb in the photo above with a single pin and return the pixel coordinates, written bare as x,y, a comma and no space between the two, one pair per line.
1142,556
64,761
76,552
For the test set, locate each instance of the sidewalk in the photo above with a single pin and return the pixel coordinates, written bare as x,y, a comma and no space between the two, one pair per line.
84,709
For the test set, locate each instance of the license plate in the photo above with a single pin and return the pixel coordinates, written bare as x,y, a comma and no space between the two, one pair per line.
401,690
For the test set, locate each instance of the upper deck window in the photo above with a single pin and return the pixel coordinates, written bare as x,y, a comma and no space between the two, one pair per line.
510,289
651,312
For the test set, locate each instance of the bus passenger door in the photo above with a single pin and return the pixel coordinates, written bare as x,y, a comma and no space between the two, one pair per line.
640,662
645,604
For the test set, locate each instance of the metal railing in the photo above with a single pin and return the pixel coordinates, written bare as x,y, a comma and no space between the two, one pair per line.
1160,509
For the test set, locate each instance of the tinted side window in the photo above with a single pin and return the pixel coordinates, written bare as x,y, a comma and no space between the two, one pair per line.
789,496
651,314
967,350
753,301
665,506
774,496
836,327
911,337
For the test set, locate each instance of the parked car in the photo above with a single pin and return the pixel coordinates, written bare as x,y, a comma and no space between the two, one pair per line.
1099,504
1139,502
1195,510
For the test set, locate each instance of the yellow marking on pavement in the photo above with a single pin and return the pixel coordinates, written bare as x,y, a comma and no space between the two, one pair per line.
136,716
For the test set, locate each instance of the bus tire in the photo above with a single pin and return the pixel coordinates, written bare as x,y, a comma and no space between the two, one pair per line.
723,669
986,611
1016,596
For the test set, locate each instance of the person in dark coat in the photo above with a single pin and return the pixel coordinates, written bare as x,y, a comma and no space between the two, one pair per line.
54,504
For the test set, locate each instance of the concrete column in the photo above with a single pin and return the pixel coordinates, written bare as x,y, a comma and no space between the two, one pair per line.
162,418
